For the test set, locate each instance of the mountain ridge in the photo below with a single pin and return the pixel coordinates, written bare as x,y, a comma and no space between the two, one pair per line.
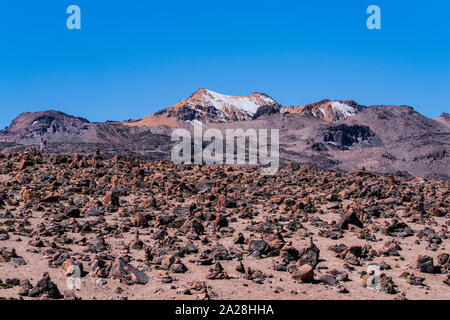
208,106
328,110
381,138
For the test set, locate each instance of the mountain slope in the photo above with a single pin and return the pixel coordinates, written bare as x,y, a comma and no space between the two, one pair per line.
396,122
208,106
326,135
444,119
328,110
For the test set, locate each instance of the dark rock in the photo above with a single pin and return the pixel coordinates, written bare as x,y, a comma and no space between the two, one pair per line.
347,219
45,287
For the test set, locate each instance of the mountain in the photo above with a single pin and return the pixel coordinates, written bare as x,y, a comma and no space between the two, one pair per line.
338,135
393,123
328,110
68,134
444,119
208,106
30,125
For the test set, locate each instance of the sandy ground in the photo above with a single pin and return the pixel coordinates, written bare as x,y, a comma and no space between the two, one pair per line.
280,286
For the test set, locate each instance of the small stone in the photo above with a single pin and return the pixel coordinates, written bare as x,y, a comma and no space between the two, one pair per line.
304,273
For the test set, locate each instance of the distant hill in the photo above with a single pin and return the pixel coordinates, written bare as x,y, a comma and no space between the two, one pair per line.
338,135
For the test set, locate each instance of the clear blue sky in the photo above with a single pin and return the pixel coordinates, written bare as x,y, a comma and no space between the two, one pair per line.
134,58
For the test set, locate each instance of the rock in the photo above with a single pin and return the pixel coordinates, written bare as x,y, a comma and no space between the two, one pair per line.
193,225
163,220
259,246
332,197
289,253
240,267
167,261
18,261
424,264
415,281
443,260
219,252
436,212
136,244
225,202
45,287
304,273
398,229
25,163
447,281
112,198
328,279
347,219
178,267
217,273
125,272
342,277
13,281
387,284
256,276
72,212
239,239
197,285
164,276
338,248
25,287
340,289
309,255
391,248
221,221
140,220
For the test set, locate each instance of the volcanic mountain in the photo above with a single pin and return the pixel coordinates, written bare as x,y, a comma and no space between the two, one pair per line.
209,106
65,133
34,124
328,110
339,135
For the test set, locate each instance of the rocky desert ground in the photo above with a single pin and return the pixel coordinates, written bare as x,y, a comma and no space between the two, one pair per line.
140,229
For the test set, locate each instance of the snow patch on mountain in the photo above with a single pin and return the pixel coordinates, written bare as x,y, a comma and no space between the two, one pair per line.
249,104
344,109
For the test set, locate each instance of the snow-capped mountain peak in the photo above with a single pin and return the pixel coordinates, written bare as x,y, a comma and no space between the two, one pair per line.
208,106
205,98
328,110
343,108
249,103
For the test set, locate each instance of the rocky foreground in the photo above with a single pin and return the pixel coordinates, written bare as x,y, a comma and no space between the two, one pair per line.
155,230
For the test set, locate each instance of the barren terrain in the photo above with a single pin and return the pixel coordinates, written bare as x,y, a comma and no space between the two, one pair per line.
155,230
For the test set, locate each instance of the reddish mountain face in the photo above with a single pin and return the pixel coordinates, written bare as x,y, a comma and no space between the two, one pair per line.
328,110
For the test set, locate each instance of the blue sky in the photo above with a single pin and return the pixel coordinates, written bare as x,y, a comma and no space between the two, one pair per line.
134,58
